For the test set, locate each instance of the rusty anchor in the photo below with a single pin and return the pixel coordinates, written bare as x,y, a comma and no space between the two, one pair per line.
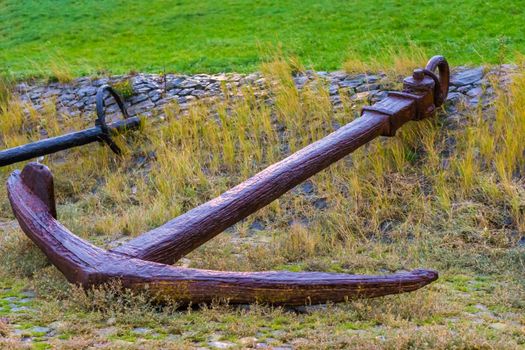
144,261
100,132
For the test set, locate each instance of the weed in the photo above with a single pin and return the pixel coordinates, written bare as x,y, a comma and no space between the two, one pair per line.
60,71
124,88
19,255
299,243
395,61
4,328
5,91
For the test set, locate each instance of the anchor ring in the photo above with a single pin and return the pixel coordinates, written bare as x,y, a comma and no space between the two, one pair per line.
441,83
101,115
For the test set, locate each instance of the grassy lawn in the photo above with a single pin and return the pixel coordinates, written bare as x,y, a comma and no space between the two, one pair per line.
209,36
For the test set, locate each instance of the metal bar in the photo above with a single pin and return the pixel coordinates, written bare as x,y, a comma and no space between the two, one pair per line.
60,143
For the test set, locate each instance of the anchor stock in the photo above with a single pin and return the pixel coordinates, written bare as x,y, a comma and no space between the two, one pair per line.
101,132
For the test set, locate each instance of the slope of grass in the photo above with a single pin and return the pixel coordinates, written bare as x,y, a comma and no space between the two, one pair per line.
438,195
234,35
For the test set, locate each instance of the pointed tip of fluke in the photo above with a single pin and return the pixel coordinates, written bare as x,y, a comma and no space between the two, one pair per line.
428,275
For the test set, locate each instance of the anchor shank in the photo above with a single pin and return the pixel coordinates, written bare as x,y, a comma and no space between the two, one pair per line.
59,143
170,242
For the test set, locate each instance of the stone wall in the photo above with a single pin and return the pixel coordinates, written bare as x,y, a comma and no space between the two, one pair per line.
151,92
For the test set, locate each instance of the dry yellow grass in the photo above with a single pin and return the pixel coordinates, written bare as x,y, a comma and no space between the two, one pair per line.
393,61
60,70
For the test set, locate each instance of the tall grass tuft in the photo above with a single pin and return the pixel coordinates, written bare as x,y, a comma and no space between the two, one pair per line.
394,61
60,70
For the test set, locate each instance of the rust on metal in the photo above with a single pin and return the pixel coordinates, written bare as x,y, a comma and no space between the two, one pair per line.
143,261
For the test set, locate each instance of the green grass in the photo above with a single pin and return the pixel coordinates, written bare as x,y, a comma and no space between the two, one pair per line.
210,36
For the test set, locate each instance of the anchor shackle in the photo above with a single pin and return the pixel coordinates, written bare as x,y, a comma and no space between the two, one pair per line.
433,89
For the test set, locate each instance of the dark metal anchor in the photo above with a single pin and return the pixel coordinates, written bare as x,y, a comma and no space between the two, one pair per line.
100,132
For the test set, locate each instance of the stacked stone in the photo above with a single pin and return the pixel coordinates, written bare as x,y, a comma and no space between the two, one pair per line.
151,92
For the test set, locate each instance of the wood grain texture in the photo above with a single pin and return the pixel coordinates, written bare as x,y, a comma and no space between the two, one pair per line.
85,264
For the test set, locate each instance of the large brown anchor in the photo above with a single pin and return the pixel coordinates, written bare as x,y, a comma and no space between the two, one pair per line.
143,262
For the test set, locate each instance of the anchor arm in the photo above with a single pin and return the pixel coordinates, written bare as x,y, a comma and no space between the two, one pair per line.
87,265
